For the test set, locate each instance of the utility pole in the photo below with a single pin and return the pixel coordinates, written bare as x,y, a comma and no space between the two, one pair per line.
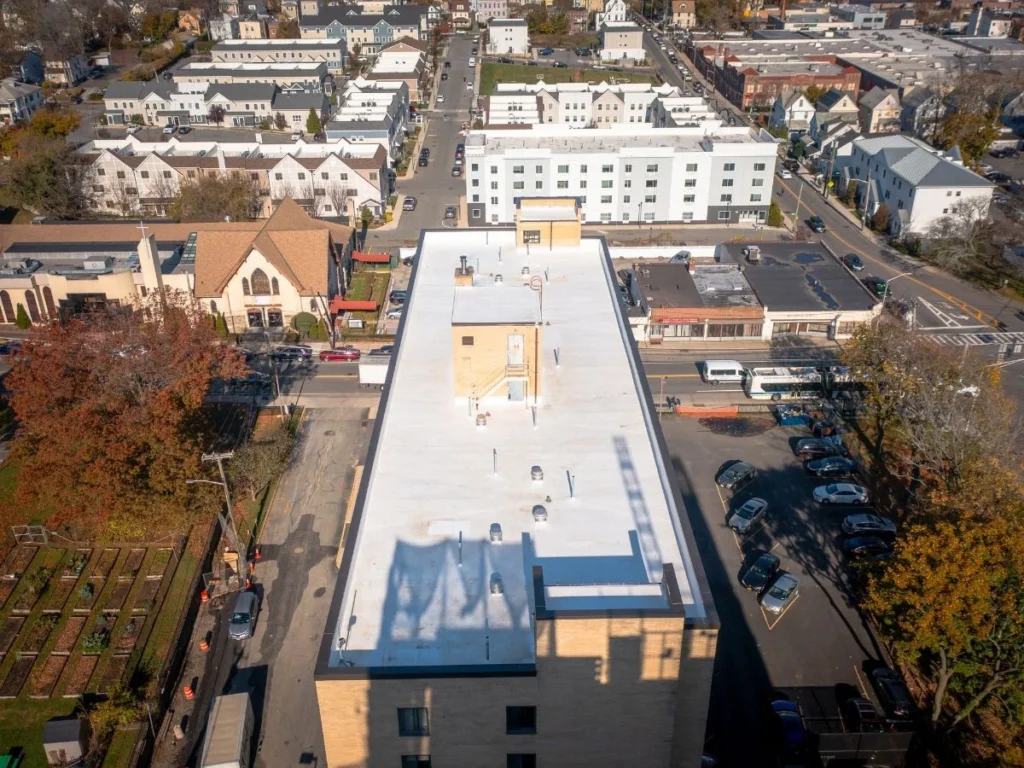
828,175
867,200
799,197
227,521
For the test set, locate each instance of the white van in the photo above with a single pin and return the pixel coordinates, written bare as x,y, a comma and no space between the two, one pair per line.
715,371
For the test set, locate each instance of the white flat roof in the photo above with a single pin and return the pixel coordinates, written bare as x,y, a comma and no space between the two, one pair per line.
418,592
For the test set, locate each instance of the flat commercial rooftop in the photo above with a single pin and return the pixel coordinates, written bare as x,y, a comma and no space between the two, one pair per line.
417,590
802,277
714,285
583,140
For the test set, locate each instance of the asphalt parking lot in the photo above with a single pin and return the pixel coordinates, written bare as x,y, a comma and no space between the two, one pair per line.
820,639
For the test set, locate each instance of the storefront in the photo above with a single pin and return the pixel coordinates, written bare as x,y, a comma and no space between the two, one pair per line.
706,324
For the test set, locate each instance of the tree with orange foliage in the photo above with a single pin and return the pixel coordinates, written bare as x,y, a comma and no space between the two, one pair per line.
110,407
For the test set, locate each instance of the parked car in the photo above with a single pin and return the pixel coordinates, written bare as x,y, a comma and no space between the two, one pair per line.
869,524
243,616
560,65
384,351
893,693
440,98
469,86
394,314
736,476
816,224
816,447
752,510
504,60
831,466
531,63
546,51
450,212
877,286
425,152
447,65
791,723
456,171
781,594
840,493
168,130
785,173
295,352
761,572
131,130
10,347
444,76
853,261
862,717
423,161
345,354
398,296
867,546
409,204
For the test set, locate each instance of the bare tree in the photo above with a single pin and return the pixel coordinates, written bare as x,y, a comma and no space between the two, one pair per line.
962,235
339,196
125,195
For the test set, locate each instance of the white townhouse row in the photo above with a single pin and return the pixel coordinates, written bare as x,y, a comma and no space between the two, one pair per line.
623,174
131,177
329,52
372,110
369,31
304,76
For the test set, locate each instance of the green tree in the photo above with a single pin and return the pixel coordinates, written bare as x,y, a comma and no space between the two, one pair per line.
279,122
121,707
366,216
260,461
22,319
216,114
211,198
972,131
813,93
54,123
850,194
775,215
799,150
313,126
46,177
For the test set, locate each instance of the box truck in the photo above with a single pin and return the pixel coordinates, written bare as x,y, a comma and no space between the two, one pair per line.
228,733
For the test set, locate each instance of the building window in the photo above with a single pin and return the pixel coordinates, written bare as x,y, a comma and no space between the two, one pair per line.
563,185
650,198
278,176
273,286
606,218
652,184
723,215
144,174
689,198
607,169
729,167
467,341
413,721
474,167
245,286
691,167
521,761
690,183
518,168
518,185
652,168
627,184
625,198
531,236
758,166
629,168
120,174
260,283
583,169
563,169
494,201
167,174
726,182
606,184
325,176
606,199
540,185
755,198
726,198
415,761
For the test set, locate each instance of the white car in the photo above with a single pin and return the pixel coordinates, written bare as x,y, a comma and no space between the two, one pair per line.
841,493
743,519
469,86
131,130
785,173
472,61
395,314
440,98
169,130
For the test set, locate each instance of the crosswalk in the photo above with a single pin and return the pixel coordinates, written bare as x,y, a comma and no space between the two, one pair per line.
974,339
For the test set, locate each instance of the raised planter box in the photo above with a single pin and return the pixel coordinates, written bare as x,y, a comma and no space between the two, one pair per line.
39,632
69,635
59,592
75,566
9,631
76,676
146,596
88,593
158,565
16,677
104,624
129,633
112,674
132,564
105,564
18,561
46,677
115,601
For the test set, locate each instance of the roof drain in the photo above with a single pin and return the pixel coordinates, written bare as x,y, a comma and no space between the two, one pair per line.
495,533
540,513
536,473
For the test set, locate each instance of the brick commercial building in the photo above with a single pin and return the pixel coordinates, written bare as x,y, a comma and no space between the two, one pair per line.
756,82
520,584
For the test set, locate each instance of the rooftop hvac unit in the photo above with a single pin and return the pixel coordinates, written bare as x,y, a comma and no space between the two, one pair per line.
103,262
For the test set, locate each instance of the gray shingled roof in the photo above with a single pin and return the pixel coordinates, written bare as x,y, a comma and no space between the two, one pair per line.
874,97
400,15
242,91
830,99
300,101
122,89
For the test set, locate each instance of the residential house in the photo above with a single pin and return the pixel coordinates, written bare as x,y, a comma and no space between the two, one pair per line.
18,100
684,14
983,23
290,9
372,110
834,108
491,9
879,111
403,61
31,68
223,27
66,71
919,184
615,12
508,37
622,41
252,27
921,112
192,20
370,32
329,52
794,111
861,16
461,14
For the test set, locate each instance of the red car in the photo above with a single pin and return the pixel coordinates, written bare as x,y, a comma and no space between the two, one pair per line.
343,353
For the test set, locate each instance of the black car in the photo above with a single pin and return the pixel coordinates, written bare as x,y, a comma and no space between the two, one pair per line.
760,573
893,693
818,447
560,65
398,297
504,60
444,75
877,286
736,476
422,163
425,152
292,353
831,466
862,717
447,65
867,546
853,261
816,224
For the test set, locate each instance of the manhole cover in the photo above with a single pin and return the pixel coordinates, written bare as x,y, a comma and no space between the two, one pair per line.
738,427
299,550
329,433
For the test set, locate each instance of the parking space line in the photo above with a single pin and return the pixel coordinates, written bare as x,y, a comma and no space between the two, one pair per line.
736,539
773,625
718,490
860,682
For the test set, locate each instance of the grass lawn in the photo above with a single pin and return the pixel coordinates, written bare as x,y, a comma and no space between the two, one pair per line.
120,751
492,73
21,726
367,286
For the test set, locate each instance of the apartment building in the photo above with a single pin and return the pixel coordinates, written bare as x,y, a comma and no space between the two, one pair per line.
623,174
919,183
861,17
580,105
370,31
18,100
372,110
491,9
622,42
288,77
131,178
684,14
402,62
614,12
508,37
545,593
328,52
242,104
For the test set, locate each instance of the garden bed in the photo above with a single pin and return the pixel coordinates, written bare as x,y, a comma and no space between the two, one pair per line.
118,595
145,599
98,636
132,564
16,677
113,673
36,582
46,677
9,631
69,635
158,565
39,632
129,634
76,678
7,587
105,564
18,561
88,594
60,590
76,564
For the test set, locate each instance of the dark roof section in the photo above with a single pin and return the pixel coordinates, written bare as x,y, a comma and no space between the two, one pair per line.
349,16
802,277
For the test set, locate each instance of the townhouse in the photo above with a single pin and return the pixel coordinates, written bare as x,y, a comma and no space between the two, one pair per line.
369,31
328,52
308,76
684,14
18,100
403,61
131,178
624,174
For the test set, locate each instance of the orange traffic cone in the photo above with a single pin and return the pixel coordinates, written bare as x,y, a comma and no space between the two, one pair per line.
204,645
204,596
189,693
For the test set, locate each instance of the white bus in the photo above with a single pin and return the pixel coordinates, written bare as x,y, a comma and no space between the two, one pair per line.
783,383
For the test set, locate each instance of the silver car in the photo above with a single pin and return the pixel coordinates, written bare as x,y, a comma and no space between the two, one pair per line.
744,518
841,493
243,616
781,593
859,525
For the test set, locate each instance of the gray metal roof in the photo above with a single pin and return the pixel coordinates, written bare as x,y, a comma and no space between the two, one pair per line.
802,277
917,163
348,16
123,89
300,101
242,91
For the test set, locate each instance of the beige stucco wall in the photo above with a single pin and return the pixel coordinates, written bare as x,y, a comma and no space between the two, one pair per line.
479,364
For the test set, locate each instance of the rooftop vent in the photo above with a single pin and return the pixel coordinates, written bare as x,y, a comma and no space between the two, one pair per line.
496,533
462,264
525,271
497,588
481,420
499,279
536,473
540,513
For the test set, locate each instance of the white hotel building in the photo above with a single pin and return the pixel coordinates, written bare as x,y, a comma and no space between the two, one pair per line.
623,174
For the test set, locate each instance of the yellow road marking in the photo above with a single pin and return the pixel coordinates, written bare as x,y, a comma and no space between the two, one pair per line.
860,682
977,313
673,375
773,625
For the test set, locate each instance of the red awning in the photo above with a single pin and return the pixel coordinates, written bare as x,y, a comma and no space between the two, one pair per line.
338,305
371,258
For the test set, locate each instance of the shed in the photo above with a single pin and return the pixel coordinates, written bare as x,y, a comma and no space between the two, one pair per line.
371,258
339,305
65,740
